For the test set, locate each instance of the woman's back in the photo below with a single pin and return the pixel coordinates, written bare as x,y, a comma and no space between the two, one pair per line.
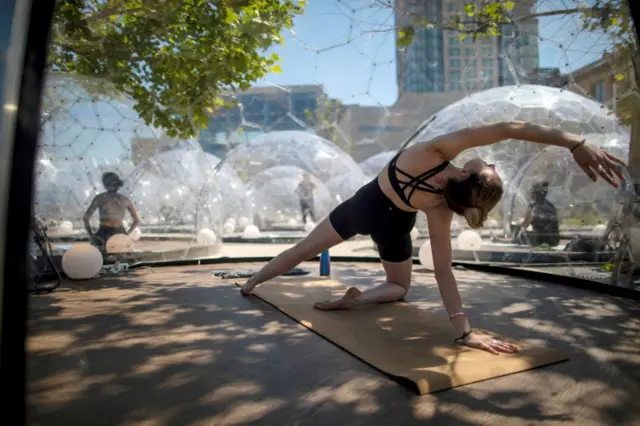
414,161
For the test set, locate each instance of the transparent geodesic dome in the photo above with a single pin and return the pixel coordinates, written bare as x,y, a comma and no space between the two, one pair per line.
579,201
301,149
374,164
84,133
344,186
187,163
274,199
550,106
176,191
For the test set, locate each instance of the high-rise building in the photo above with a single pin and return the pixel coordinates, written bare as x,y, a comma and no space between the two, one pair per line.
263,109
439,61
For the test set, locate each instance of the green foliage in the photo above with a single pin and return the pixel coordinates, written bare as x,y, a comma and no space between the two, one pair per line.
176,58
325,119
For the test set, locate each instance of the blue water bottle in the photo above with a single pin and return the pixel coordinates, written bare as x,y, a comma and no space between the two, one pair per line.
325,264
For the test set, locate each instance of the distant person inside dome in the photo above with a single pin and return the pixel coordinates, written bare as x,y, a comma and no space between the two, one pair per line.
111,207
422,178
306,191
542,216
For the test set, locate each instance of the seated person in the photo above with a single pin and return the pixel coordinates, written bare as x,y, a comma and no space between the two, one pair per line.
111,207
542,216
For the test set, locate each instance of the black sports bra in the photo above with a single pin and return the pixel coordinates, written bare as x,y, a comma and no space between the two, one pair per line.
415,182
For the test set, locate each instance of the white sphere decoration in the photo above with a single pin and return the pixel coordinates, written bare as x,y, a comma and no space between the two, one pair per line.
469,240
425,255
206,237
65,227
136,234
82,262
232,221
309,226
292,222
251,231
228,227
119,243
414,233
243,222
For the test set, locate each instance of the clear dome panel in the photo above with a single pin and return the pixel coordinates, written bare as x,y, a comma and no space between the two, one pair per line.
176,191
301,149
374,164
344,186
579,201
543,105
276,203
87,130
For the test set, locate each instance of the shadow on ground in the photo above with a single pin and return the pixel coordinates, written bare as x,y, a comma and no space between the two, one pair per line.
173,346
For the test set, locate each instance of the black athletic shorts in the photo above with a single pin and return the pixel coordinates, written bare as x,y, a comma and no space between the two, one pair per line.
370,212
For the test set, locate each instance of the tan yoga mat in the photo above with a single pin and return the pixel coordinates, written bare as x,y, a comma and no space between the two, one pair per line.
399,339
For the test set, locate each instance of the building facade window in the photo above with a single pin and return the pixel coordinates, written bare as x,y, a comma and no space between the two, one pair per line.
454,63
454,51
599,91
469,51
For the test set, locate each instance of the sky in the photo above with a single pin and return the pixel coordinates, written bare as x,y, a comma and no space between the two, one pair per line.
349,47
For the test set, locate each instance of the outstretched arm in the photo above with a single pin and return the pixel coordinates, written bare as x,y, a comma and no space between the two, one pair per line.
587,157
439,222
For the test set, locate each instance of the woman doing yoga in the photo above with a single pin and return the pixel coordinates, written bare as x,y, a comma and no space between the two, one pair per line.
386,210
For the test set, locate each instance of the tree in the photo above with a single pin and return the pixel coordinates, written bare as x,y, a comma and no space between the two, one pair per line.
326,119
175,58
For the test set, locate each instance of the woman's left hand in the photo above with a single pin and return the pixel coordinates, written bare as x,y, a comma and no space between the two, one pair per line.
489,344
593,159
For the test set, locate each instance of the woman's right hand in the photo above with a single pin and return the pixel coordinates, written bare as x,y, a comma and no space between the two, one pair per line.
595,160
489,343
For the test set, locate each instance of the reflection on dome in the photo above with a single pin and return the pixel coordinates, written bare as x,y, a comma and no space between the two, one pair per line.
374,164
300,149
275,201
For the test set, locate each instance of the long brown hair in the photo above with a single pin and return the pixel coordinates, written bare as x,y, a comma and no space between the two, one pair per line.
473,197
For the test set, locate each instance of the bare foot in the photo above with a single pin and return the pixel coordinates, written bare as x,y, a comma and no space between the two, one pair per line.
349,300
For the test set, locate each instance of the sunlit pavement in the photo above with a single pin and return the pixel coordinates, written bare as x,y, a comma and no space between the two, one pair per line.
362,248
173,346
